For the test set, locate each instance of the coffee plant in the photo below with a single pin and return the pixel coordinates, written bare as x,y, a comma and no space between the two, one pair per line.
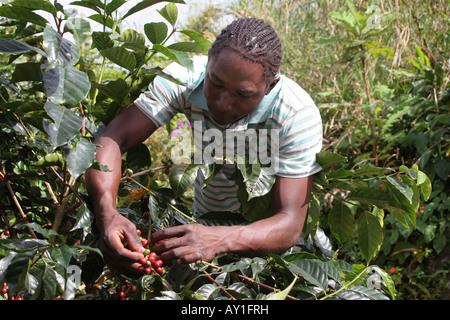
61,84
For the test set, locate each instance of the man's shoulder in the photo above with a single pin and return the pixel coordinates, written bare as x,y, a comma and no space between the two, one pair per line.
293,102
293,95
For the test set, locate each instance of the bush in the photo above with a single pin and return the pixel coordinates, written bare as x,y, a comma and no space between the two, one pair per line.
56,95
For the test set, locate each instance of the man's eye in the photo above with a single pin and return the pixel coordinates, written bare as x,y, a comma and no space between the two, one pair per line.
215,84
245,94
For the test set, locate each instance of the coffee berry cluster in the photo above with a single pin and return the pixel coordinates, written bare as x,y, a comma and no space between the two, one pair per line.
5,293
150,263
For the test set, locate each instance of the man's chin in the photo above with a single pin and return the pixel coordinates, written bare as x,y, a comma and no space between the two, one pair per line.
222,122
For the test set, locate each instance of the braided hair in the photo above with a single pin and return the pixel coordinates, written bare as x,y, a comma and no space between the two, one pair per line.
255,40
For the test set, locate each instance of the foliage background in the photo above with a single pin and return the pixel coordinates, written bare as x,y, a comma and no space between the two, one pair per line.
379,72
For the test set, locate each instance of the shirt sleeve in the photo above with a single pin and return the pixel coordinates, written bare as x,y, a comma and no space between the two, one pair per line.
162,101
165,98
300,140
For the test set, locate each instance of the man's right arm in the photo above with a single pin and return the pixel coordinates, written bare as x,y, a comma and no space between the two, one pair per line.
127,130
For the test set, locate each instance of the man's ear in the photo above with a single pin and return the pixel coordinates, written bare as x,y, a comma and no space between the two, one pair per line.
272,84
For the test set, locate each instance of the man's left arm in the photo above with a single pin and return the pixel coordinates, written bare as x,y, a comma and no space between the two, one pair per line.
290,199
193,242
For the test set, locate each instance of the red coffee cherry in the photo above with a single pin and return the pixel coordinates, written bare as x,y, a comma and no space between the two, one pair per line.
158,263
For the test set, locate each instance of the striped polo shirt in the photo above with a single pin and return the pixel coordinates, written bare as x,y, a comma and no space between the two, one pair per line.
286,122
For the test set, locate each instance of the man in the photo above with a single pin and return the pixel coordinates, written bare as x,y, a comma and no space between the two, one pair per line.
240,88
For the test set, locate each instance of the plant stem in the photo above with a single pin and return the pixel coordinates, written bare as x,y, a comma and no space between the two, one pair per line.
219,285
168,203
248,279
19,207
344,287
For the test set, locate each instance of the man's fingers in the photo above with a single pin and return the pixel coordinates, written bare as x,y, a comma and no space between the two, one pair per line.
126,254
133,240
171,232
191,257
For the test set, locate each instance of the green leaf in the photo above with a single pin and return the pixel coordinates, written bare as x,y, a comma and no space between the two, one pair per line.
209,171
375,197
390,285
84,218
312,218
94,5
138,158
115,89
170,13
62,255
49,282
207,291
282,294
60,52
113,6
187,47
198,38
342,222
13,46
327,159
132,39
80,28
80,158
244,263
26,244
258,180
66,86
46,233
66,124
156,32
256,208
370,235
31,283
22,14
160,72
120,56
311,271
362,293
102,40
177,56
5,262
442,168
28,71
369,170
44,5
439,242
330,268
340,173
401,187
107,22
426,188
153,207
182,177
143,5
17,268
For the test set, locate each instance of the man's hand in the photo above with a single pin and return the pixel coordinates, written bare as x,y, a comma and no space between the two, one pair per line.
193,242
123,133
188,243
114,231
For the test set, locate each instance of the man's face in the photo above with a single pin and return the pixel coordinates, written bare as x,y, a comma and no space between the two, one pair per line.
234,87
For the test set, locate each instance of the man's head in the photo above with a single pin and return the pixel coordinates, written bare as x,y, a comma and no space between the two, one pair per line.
255,40
243,65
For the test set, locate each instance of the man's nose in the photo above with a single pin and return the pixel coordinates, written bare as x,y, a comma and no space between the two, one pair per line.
224,102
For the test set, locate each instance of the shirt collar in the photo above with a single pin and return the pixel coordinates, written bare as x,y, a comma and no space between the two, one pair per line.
262,112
